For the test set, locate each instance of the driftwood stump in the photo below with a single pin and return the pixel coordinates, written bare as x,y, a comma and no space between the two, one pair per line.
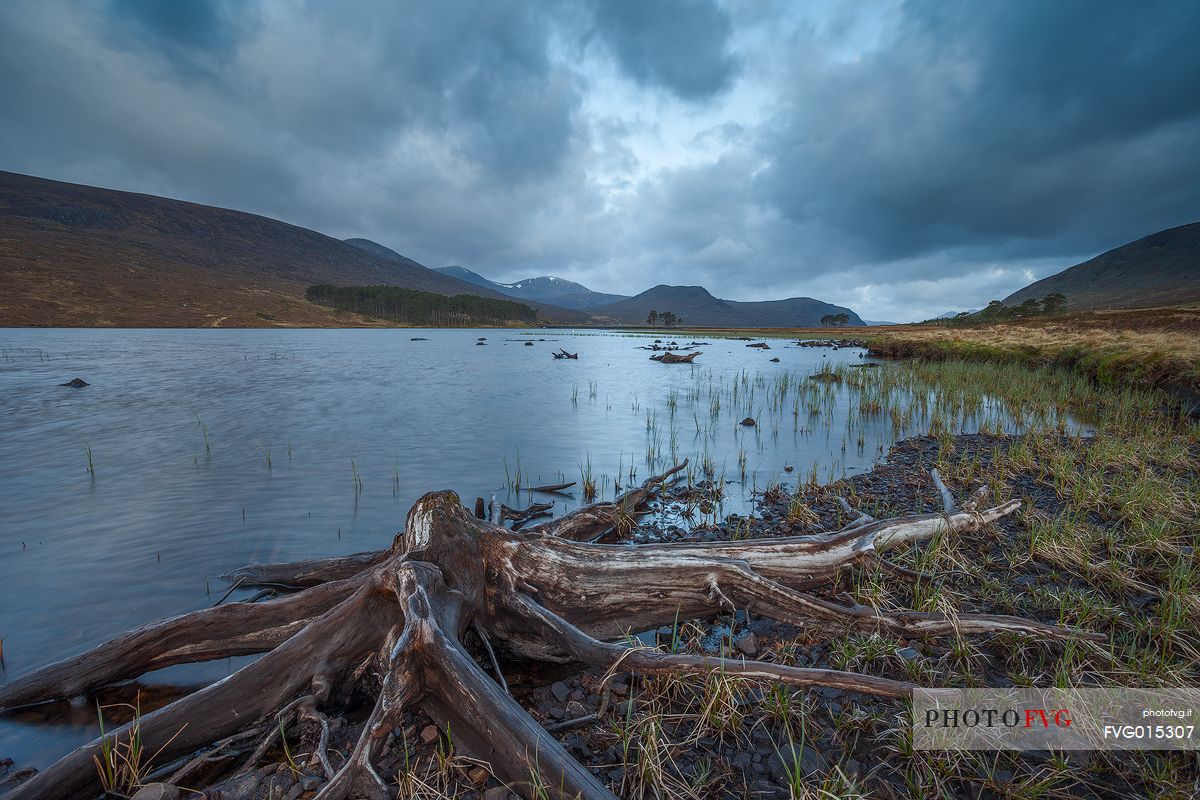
548,593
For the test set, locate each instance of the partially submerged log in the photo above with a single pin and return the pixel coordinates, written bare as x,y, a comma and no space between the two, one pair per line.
397,620
520,516
561,353
552,487
672,358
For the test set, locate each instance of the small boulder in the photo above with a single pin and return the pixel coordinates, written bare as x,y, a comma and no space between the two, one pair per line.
748,422
157,791
776,359
76,383
908,653
747,645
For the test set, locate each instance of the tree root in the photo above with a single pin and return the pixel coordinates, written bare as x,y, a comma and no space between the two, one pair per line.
398,619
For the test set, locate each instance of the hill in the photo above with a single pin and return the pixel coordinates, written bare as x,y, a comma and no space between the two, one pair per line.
386,253
464,274
697,307
73,255
545,289
1157,270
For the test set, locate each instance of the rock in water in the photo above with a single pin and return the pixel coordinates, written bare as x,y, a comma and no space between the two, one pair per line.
749,422
76,383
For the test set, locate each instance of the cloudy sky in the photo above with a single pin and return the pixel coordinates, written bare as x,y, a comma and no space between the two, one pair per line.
902,158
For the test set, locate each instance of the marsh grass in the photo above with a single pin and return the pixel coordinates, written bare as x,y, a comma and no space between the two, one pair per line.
1106,540
123,763
204,432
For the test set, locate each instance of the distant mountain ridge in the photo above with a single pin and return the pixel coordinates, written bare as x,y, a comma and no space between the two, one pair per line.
545,288
550,311
1156,270
75,255
696,306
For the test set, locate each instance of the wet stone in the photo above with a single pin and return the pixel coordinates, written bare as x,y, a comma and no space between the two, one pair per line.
747,645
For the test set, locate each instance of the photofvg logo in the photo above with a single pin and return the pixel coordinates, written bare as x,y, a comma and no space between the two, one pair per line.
1056,719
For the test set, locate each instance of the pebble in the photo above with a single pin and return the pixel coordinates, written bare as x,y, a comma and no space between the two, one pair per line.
560,691
747,645
478,775
577,746
908,653
576,709
157,791
429,734
764,788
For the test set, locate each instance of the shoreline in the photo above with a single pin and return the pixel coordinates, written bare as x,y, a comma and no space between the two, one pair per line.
733,738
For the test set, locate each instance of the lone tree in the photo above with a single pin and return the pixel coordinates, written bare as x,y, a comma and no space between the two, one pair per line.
395,623
838,320
652,317
668,319
1054,302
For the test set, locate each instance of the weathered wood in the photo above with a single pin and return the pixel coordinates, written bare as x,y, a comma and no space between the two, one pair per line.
519,516
594,521
538,594
672,358
552,487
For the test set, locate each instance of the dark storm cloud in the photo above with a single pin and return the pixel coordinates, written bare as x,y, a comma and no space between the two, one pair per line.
904,158
188,24
1007,126
680,45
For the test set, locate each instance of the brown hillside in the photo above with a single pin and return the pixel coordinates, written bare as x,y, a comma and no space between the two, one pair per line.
74,255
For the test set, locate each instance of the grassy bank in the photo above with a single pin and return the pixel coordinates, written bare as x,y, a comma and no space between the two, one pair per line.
1148,348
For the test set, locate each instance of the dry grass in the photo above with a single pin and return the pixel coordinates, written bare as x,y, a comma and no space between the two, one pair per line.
1148,347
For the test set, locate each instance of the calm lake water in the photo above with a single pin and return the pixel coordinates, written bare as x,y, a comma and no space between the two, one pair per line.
291,418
